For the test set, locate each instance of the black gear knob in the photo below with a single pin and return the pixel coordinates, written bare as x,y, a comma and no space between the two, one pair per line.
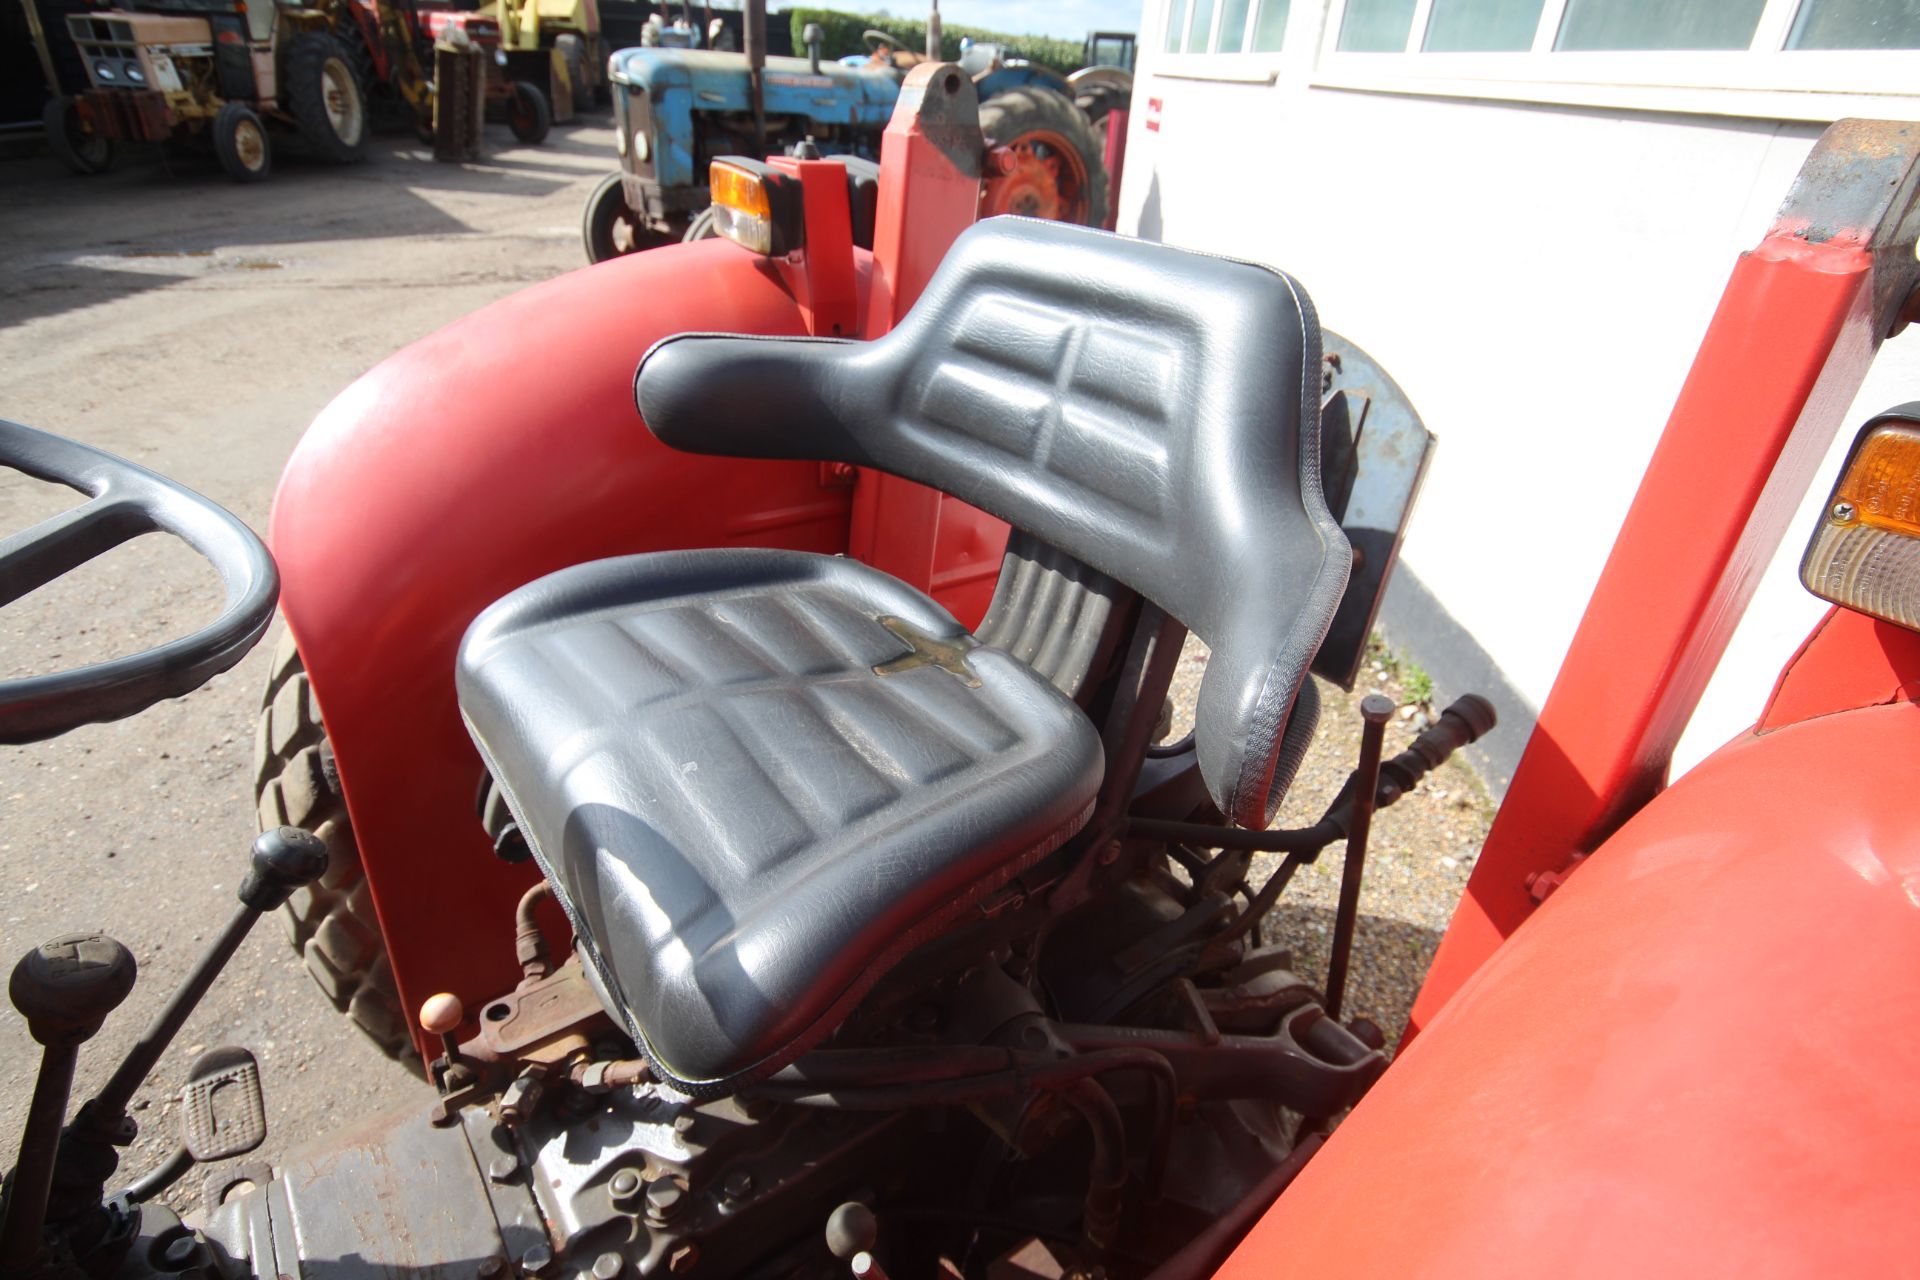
66,988
283,859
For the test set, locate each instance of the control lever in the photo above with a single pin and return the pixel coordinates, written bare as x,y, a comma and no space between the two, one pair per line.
64,989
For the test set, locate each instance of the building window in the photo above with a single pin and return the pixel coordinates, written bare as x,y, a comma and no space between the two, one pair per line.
1658,24
1241,26
1481,26
1376,26
1856,24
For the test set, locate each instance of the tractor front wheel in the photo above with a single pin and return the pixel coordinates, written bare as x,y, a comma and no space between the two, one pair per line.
240,141
331,922
528,115
79,148
327,97
609,226
1044,159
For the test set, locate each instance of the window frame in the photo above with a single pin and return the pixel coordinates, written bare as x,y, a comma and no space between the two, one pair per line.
1765,80
1248,66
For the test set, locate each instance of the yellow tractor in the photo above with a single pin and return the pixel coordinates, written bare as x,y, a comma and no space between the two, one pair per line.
556,43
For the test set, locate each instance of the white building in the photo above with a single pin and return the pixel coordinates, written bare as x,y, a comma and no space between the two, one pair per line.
1526,211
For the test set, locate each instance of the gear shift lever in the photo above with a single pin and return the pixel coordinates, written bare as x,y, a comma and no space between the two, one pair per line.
65,989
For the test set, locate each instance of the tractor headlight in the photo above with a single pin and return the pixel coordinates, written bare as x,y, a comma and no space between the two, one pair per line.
499,57
642,148
1866,553
133,72
103,71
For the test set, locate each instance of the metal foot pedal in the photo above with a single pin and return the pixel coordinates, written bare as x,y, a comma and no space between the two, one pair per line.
223,1112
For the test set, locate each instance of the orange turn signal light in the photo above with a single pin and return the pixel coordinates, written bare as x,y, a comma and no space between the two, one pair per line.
734,187
1866,553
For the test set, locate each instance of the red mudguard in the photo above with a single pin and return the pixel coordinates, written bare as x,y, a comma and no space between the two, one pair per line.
1698,1058
504,447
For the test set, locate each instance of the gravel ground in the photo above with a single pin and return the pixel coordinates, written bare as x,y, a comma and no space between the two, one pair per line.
1418,857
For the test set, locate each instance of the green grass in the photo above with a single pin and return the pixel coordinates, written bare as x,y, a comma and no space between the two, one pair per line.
1412,678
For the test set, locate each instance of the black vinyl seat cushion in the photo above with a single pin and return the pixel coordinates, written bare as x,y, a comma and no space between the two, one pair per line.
746,822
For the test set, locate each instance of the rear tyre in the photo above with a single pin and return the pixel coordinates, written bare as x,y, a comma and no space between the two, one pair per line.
602,87
327,97
528,115
573,51
610,228
240,142
79,148
331,923
1058,168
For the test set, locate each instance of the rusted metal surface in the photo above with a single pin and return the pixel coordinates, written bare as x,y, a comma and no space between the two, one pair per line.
127,115
515,1024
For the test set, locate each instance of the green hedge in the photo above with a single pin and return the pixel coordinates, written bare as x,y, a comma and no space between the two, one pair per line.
844,36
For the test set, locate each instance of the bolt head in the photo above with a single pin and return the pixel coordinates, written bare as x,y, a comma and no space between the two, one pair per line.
504,1166
683,1124
607,1265
683,1259
492,1268
625,1183
664,1198
1843,513
738,1185
181,1253
537,1258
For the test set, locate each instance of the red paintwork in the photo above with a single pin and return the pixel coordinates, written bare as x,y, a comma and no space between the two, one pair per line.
1116,157
946,548
454,472
1849,661
1775,372
1697,1060
832,304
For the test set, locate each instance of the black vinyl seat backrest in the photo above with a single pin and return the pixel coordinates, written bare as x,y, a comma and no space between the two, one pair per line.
1149,411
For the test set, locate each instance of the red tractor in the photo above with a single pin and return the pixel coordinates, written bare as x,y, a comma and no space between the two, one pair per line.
859,924
393,41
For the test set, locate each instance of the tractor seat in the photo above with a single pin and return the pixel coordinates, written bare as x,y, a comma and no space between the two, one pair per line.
759,777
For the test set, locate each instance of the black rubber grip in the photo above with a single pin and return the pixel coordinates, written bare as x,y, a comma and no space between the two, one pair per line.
1468,719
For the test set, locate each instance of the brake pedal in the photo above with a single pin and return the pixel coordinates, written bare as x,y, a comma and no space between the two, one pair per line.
223,1111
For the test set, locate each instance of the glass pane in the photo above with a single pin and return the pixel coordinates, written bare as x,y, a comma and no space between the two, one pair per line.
1270,28
1233,26
1176,24
1659,24
1482,26
1199,26
1857,24
1376,26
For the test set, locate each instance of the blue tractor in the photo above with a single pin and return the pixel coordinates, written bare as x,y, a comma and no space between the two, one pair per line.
676,109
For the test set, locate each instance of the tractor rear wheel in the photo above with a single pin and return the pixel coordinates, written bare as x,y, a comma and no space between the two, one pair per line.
240,142
327,97
528,115
609,226
331,923
78,147
1043,159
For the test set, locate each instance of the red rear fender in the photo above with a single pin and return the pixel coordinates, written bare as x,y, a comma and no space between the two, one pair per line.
499,449
1698,1058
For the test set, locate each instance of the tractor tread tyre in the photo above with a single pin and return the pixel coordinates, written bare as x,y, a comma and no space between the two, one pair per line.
306,91
87,155
528,115
605,208
331,922
573,50
1007,116
229,144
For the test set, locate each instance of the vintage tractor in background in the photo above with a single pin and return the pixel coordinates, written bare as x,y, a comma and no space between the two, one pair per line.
556,43
228,74
676,109
216,72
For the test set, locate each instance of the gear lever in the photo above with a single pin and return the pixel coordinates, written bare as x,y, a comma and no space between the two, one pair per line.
65,989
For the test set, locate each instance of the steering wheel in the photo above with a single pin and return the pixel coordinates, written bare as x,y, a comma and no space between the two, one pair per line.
878,40
125,501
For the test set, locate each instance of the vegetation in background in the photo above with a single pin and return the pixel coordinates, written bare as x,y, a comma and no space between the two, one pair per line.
845,32
1414,681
